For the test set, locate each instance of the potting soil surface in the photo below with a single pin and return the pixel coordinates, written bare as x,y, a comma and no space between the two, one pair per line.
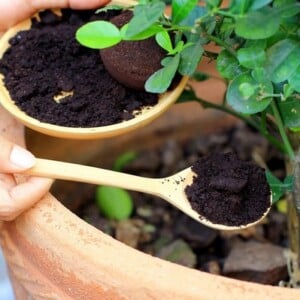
46,63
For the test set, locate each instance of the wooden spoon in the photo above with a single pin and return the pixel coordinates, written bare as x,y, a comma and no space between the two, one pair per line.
169,188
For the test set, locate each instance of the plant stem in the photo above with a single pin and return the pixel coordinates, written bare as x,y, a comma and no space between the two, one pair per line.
225,13
282,132
180,28
263,122
266,95
221,43
281,147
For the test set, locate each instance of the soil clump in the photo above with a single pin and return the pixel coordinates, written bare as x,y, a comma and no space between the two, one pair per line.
144,57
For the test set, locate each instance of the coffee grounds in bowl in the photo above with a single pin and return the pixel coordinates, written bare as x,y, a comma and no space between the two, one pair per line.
46,63
228,191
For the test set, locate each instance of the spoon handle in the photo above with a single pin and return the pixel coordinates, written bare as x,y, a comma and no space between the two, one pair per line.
76,172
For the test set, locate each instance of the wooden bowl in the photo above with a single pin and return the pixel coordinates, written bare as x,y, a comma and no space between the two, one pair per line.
144,116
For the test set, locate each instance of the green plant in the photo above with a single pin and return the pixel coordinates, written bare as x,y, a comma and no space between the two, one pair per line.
183,54
116,203
258,58
259,42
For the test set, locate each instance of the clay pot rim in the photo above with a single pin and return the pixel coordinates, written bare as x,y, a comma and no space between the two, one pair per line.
96,252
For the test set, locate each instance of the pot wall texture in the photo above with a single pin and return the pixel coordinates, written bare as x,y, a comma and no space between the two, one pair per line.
52,254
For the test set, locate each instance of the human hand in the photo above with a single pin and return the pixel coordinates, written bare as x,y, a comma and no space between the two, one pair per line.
16,197
12,12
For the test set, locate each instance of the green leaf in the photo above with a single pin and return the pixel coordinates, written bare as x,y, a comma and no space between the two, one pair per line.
228,65
189,59
294,80
107,8
181,9
275,185
208,24
147,33
295,129
289,183
166,60
292,11
163,40
227,27
251,58
257,44
114,203
196,13
239,7
98,35
288,8
288,90
244,94
259,74
180,46
282,3
187,95
279,188
247,89
144,16
259,24
257,4
123,160
283,59
160,81
213,3
200,76
290,112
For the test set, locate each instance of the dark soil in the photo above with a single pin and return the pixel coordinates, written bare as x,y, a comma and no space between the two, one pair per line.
159,229
228,191
46,61
143,57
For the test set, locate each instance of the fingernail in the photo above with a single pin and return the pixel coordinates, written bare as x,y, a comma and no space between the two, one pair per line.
21,158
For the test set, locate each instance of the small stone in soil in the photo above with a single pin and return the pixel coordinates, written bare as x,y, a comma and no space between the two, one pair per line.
178,252
257,262
228,191
195,233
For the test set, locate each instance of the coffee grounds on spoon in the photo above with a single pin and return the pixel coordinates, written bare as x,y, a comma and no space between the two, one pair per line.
228,191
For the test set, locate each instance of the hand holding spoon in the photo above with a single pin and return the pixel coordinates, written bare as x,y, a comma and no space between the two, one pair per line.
171,189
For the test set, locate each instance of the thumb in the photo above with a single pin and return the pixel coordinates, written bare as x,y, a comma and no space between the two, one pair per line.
14,158
12,12
75,4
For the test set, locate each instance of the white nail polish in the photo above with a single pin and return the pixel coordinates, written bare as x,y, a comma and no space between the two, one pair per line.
21,158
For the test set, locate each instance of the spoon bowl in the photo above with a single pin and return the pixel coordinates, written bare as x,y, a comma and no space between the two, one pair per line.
169,188
141,118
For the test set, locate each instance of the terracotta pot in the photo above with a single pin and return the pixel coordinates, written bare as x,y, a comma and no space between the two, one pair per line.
52,254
